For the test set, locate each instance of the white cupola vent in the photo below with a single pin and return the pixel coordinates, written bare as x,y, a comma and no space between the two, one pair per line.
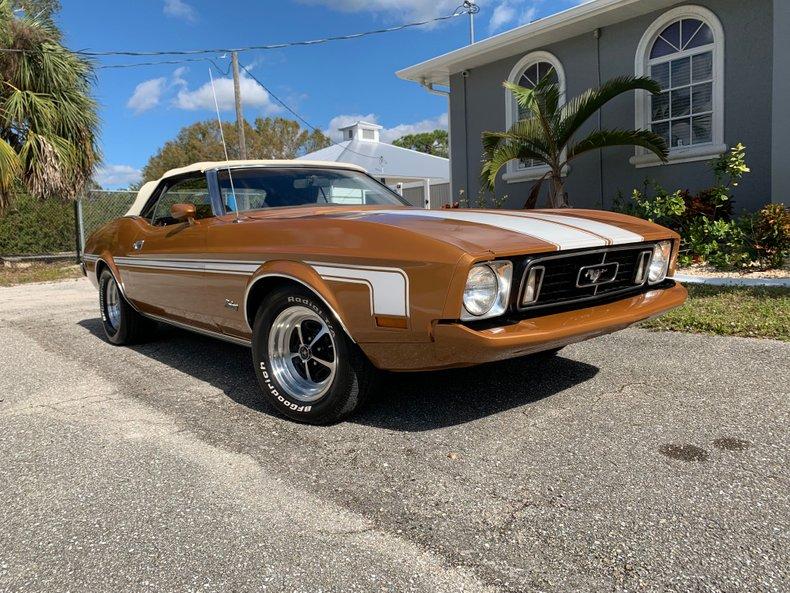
361,130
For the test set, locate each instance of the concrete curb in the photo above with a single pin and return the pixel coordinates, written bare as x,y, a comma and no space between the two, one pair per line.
713,281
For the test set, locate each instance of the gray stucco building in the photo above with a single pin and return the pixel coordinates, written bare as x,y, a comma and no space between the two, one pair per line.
725,65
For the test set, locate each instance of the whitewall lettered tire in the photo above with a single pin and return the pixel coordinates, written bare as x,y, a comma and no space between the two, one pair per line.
307,367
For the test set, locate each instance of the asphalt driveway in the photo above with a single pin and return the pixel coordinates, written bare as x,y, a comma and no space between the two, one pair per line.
634,462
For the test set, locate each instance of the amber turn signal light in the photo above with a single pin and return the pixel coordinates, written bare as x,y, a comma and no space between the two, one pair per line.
391,322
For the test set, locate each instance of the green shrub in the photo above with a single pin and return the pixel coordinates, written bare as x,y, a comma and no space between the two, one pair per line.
34,227
705,220
768,235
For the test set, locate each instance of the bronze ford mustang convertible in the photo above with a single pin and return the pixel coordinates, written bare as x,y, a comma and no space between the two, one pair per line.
327,274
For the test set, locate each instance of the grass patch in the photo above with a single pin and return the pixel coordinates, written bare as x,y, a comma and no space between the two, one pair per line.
38,273
754,312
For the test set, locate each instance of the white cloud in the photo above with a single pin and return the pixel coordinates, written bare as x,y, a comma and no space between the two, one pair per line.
117,175
510,13
503,14
180,10
253,95
411,10
425,125
146,95
386,134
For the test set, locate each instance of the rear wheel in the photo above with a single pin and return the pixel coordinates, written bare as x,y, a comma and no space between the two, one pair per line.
306,365
122,324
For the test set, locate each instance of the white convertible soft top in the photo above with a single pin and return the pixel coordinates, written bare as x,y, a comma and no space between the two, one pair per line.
148,188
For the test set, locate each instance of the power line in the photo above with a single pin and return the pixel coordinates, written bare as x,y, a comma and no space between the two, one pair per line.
301,119
164,62
466,8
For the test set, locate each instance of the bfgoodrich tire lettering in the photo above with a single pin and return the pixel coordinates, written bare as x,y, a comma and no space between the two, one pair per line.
307,367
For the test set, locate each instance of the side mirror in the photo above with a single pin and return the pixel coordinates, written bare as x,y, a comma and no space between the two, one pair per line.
182,211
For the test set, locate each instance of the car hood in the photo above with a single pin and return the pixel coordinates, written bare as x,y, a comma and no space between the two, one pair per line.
501,232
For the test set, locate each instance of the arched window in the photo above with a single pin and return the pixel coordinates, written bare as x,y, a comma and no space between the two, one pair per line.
527,73
683,51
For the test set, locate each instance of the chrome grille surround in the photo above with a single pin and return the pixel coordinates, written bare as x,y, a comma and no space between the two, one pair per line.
555,290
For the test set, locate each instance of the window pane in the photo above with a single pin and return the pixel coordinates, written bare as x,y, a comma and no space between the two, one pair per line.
530,77
703,37
702,129
672,34
681,72
681,133
702,98
265,187
681,102
661,48
662,130
660,73
689,29
702,67
660,107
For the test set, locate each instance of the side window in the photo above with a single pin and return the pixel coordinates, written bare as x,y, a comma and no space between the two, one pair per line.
187,191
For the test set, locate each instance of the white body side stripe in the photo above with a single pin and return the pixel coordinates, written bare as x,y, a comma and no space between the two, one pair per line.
211,266
389,287
613,233
563,237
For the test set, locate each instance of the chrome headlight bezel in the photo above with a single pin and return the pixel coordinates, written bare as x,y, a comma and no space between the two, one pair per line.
659,262
502,271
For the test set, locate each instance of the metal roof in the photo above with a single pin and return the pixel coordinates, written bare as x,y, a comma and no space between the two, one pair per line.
384,160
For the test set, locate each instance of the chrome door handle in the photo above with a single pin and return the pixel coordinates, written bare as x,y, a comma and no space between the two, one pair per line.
138,245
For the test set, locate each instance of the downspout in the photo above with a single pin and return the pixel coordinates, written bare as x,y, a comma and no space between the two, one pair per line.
597,35
429,86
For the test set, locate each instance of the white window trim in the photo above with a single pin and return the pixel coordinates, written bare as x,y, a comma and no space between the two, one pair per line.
699,152
513,174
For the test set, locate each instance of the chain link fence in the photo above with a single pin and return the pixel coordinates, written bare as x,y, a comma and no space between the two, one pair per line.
98,207
33,229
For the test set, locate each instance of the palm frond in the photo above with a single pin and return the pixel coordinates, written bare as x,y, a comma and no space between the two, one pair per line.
579,109
605,138
47,116
505,152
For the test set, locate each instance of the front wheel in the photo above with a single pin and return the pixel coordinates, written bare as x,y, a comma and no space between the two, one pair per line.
307,366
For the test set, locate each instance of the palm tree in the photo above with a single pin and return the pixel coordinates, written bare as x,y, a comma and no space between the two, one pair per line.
48,120
548,134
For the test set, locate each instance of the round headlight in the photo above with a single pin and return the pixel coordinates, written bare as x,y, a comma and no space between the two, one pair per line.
660,262
480,293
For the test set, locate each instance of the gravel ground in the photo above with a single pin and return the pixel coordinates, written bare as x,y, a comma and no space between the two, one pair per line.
634,462
710,272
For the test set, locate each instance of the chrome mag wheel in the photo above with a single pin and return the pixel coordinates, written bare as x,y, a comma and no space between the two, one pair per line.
302,353
112,304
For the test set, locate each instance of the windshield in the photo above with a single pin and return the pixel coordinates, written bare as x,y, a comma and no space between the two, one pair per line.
301,186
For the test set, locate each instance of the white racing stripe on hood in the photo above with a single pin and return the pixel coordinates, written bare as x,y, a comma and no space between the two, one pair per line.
564,237
614,234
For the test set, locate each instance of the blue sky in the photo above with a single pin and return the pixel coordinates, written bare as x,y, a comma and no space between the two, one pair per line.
143,107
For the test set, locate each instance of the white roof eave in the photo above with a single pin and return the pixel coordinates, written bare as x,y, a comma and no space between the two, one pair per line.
574,21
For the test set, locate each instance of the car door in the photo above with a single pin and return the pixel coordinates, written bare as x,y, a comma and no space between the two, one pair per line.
164,273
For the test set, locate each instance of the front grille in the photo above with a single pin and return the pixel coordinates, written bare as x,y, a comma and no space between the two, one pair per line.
563,280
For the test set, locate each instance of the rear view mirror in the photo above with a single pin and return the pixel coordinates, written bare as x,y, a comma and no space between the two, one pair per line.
182,211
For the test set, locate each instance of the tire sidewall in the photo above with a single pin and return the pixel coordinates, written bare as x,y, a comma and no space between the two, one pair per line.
344,384
114,335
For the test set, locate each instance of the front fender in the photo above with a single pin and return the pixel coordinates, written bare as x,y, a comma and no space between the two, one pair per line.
303,274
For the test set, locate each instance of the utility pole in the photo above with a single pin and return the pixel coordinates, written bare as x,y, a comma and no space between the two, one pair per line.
234,58
472,10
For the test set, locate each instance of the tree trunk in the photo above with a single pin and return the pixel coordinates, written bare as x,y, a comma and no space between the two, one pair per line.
557,197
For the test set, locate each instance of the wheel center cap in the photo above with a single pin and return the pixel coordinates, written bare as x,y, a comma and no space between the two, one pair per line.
304,353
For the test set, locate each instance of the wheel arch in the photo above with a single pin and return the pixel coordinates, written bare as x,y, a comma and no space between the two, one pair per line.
275,274
105,262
